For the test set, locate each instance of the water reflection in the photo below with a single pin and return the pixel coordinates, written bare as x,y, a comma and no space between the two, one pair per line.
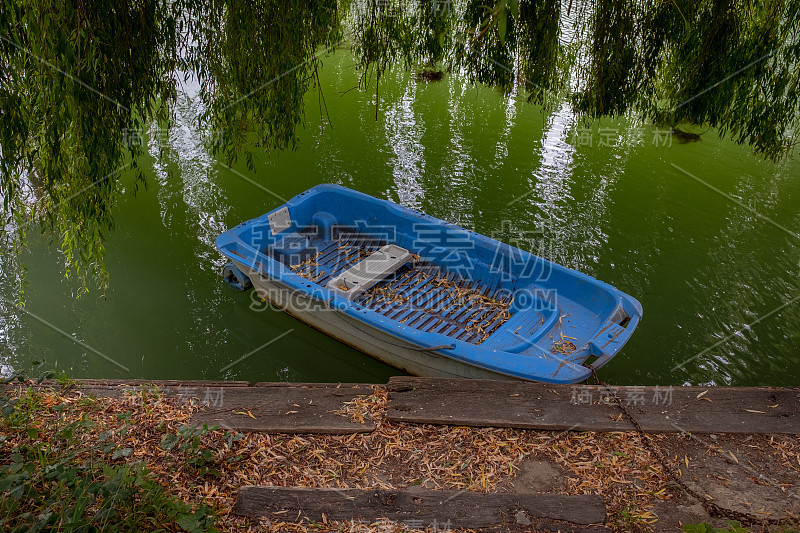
501,147
196,185
194,207
459,166
549,200
404,133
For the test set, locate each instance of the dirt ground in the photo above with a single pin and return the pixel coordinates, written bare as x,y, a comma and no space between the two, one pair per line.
757,474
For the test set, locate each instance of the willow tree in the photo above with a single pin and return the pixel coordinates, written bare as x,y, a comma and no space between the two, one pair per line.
75,78
729,64
78,79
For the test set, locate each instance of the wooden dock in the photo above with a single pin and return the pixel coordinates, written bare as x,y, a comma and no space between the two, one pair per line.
263,407
319,407
315,408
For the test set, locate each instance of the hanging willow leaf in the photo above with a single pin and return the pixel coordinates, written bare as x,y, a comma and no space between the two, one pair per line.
610,74
482,55
502,20
67,103
256,62
540,50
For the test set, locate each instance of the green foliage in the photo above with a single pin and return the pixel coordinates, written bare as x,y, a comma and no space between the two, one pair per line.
728,64
490,40
51,481
383,34
74,77
507,43
754,93
188,441
8,404
609,71
42,490
80,82
540,50
435,31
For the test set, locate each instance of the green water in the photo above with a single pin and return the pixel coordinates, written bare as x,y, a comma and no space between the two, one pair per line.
610,201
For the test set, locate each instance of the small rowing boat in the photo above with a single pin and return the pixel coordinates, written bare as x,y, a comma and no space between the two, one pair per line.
425,296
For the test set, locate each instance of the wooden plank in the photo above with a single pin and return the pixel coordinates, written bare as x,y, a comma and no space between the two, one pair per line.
200,394
589,408
418,508
275,408
127,384
163,383
285,410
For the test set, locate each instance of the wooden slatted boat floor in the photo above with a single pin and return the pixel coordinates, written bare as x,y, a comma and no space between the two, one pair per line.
421,296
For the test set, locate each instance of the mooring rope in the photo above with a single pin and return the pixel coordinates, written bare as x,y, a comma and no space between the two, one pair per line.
711,508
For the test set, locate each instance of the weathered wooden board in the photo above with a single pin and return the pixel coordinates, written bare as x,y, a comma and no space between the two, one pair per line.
197,392
283,409
268,408
590,408
418,508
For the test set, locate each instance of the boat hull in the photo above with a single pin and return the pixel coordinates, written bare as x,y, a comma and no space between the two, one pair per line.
376,343
425,296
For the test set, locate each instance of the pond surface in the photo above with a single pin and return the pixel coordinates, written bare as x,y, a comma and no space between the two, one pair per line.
704,234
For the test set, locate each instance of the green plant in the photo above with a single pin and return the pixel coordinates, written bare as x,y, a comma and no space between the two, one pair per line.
19,411
52,480
73,495
188,441
65,381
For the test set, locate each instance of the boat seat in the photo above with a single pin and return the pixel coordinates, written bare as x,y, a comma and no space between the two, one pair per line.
369,271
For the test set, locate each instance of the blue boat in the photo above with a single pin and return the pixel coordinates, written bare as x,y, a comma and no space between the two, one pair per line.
426,296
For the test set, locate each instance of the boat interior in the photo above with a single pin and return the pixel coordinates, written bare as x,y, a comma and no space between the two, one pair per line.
418,294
